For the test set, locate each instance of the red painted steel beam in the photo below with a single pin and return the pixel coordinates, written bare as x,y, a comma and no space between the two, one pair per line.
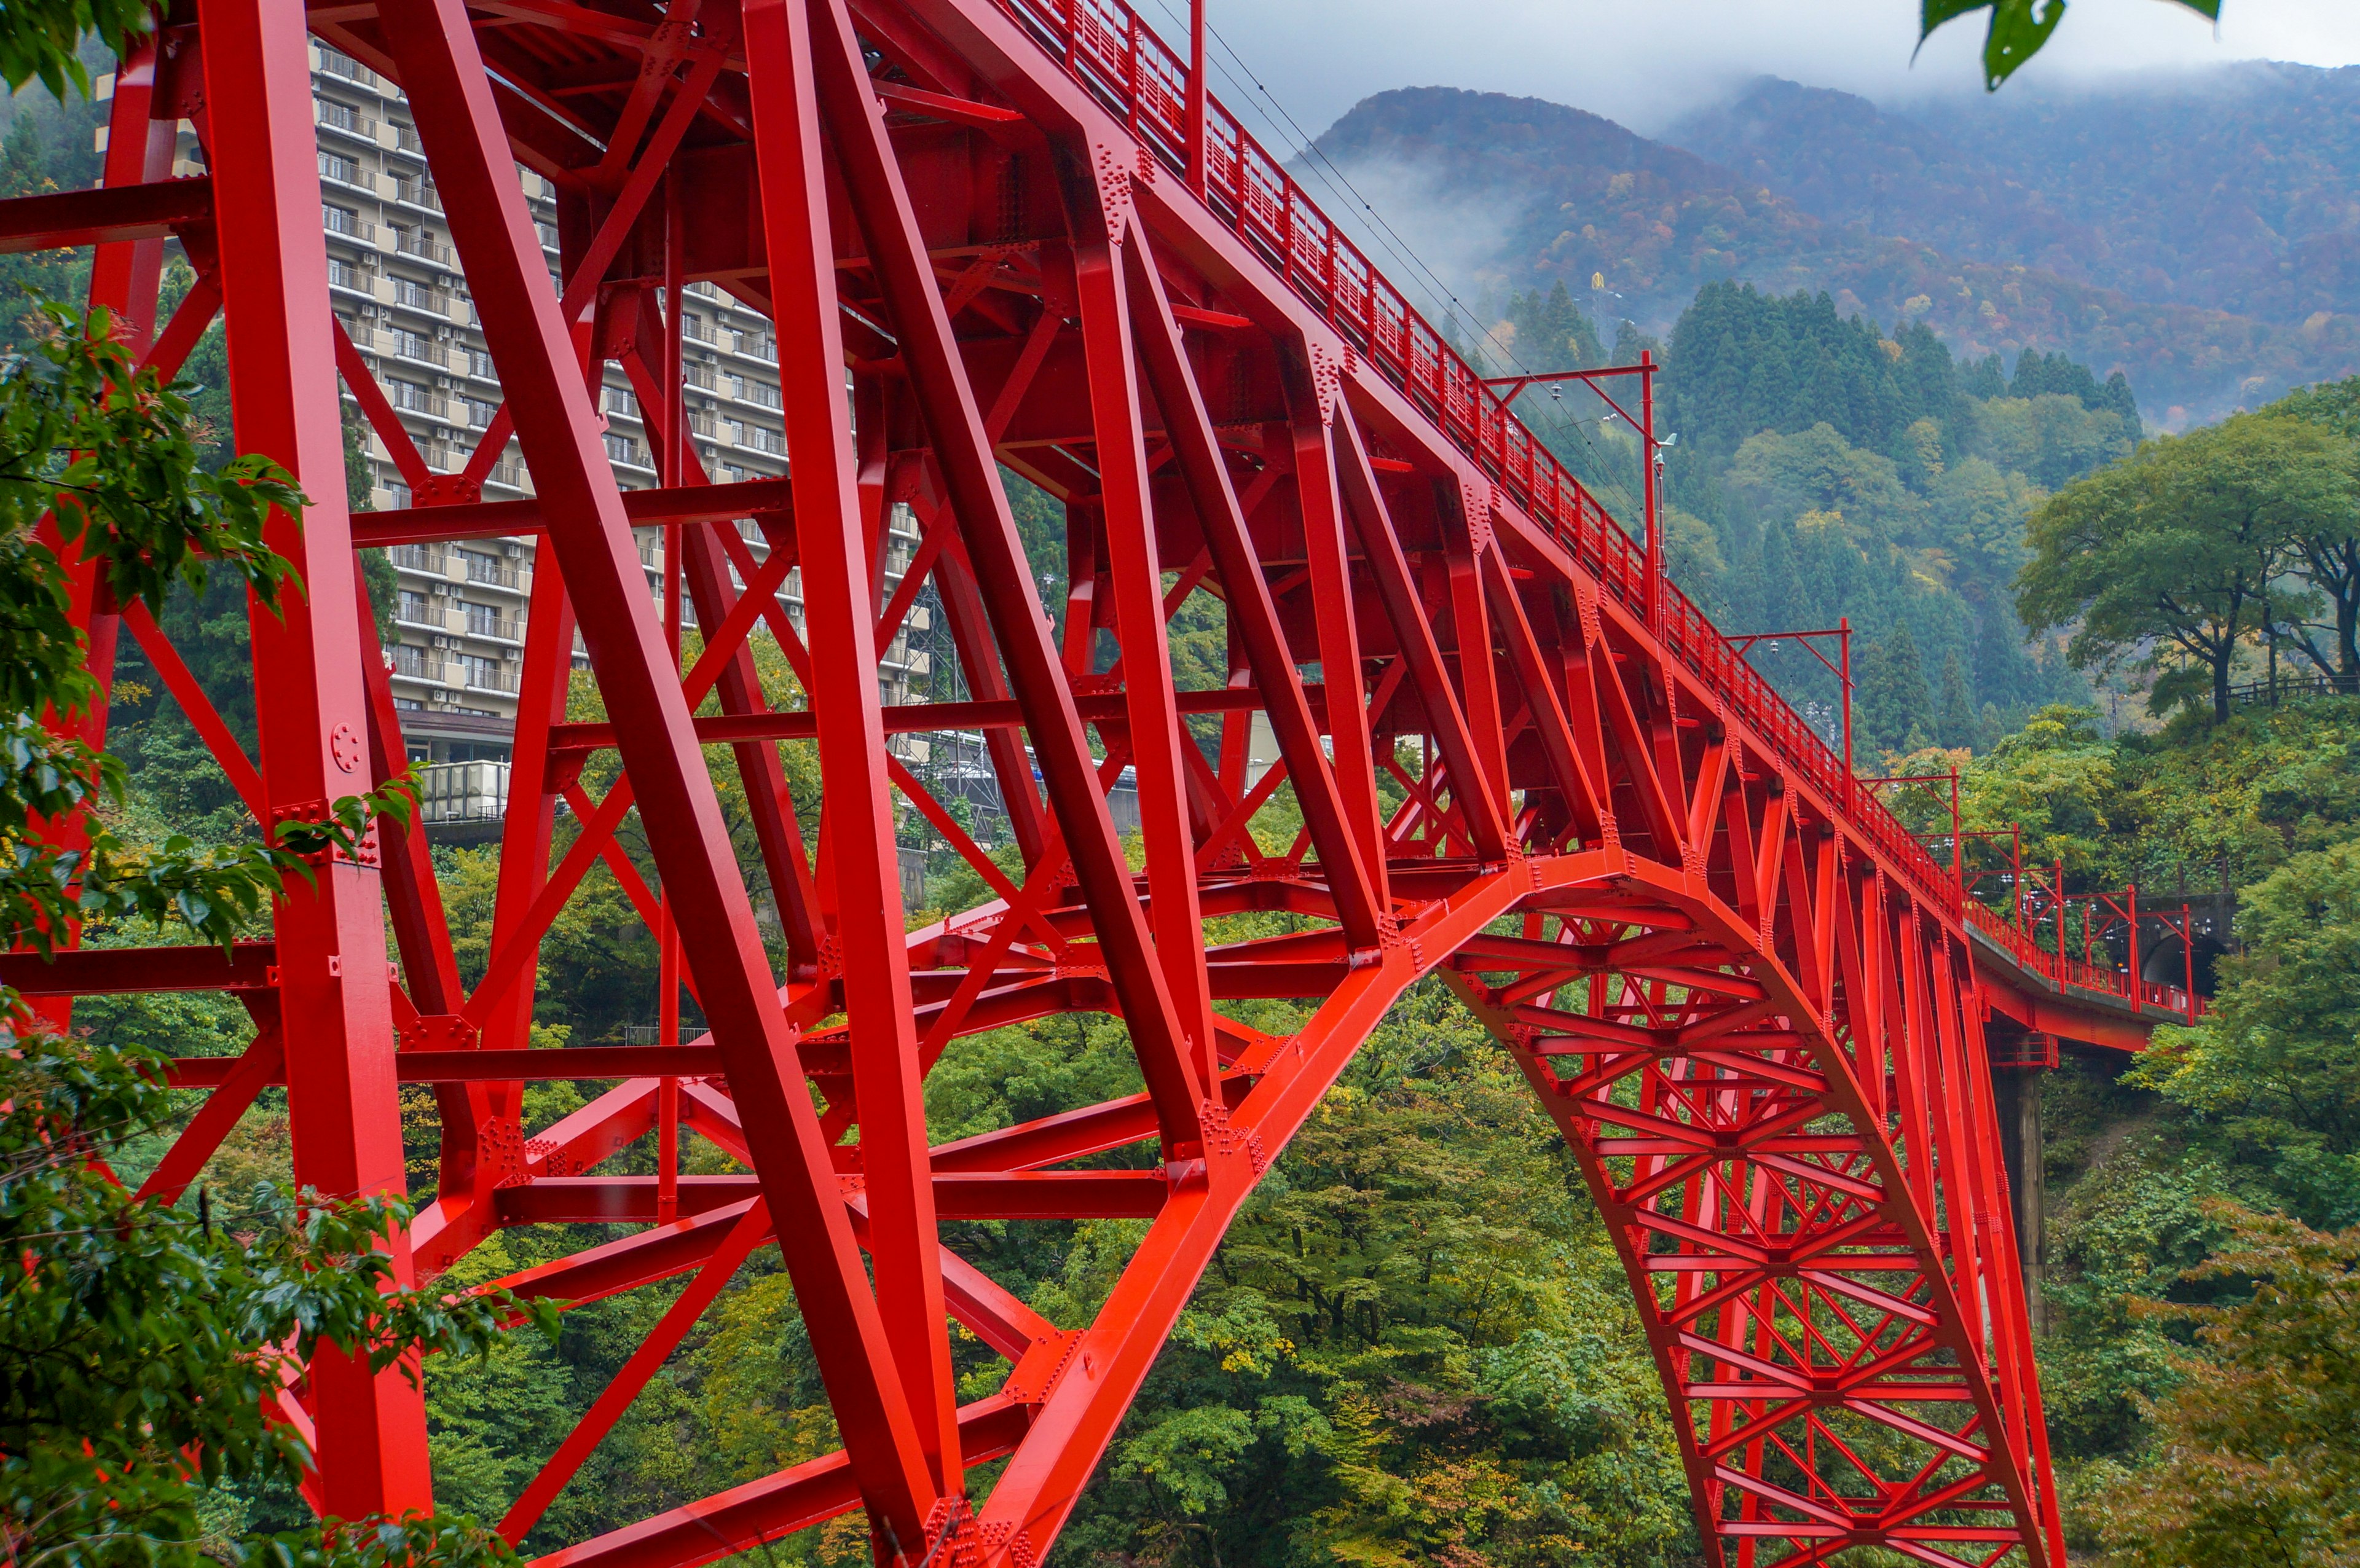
505,519
590,1064
114,971
156,210
443,70
920,718
776,1505
966,1195
334,993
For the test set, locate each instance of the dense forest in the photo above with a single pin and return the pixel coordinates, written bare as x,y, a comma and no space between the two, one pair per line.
1824,470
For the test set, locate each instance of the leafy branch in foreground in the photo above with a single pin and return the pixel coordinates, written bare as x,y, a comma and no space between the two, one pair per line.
104,452
99,460
42,41
144,1348
2018,28
142,1344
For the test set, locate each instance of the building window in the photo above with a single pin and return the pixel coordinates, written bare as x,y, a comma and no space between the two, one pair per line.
486,620
339,116
622,449
480,363
619,400
344,65
340,220
412,608
415,294
410,394
342,274
483,567
335,165
761,392
479,413
761,438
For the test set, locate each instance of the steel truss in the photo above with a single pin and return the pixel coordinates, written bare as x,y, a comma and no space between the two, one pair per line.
1740,989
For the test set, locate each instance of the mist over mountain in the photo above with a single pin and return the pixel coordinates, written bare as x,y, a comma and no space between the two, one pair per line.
2198,232
2236,190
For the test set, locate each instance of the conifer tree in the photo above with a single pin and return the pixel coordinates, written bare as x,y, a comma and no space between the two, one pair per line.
1956,726
1891,698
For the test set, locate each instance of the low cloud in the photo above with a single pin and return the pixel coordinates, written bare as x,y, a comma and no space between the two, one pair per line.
1647,64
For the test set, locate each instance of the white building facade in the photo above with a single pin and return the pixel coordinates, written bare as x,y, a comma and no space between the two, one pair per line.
397,292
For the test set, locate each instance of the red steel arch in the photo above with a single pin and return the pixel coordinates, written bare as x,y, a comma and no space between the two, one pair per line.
1744,992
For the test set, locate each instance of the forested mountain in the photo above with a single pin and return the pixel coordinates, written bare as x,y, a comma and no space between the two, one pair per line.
2214,278
1825,470
2231,190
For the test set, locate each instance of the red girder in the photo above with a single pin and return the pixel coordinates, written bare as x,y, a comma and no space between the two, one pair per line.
1752,1004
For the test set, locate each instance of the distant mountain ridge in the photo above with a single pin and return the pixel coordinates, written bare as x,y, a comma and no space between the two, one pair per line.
2235,190
2000,233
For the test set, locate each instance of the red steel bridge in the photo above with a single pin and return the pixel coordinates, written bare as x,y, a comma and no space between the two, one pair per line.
1016,232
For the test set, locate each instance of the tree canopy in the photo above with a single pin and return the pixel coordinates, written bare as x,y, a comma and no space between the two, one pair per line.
2172,560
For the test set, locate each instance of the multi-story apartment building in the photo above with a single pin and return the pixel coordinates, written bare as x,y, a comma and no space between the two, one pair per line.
396,287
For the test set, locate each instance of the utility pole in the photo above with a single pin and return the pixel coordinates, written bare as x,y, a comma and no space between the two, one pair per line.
1196,107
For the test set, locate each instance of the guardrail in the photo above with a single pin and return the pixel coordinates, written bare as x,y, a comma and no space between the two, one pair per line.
2065,970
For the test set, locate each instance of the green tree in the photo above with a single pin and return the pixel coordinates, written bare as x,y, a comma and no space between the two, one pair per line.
1816,470
2331,556
141,1338
2275,1066
2257,1452
1890,696
43,41
2051,438
1956,724
2170,558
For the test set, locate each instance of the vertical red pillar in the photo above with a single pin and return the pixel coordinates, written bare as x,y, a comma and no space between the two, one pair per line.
2130,902
1196,108
839,600
1650,456
2058,887
2188,958
1843,645
341,1094
1958,847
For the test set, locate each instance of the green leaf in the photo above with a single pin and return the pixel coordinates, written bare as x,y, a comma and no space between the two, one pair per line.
2018,28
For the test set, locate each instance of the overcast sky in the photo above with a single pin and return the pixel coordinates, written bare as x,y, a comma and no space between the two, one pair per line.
1645,61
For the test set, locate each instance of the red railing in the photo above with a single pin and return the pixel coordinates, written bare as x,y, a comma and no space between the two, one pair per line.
1103,44
2064,969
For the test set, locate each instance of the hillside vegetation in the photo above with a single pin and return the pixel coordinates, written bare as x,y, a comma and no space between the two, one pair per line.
2215,278
1824,470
